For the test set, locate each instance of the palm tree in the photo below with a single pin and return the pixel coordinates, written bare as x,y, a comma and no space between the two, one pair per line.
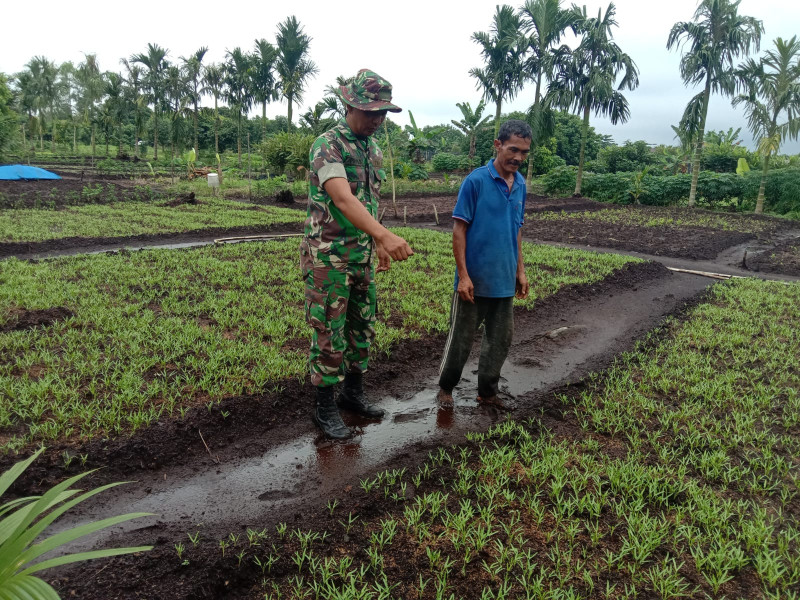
135,98
292,62
238,89
115,105
27,102
156,64
178,94
42,92
684,150
264,84
92,87
193,67
471,123
214,84
545,22
502,49
716,36
773,93
315,119
333,103
69,98
586,82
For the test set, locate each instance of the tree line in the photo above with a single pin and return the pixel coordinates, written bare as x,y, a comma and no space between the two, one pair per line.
522,46
525,45
151,86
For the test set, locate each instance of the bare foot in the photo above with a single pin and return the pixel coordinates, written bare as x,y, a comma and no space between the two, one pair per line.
445,399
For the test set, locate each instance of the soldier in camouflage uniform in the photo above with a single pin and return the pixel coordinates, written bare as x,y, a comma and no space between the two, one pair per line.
342,242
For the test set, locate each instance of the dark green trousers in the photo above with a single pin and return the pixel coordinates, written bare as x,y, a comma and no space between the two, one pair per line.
497,317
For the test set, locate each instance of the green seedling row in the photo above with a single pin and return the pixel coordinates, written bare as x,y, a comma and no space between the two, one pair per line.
679,479
128,218
656,217
154,333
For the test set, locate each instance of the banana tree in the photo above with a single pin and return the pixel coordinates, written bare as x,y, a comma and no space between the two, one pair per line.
471,123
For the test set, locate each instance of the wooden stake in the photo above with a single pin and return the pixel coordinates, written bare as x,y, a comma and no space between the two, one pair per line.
436,214
391,167
405,207
383,212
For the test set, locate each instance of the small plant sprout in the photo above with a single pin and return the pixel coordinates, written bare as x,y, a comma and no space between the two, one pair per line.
348,525
332,504
281,528
179,549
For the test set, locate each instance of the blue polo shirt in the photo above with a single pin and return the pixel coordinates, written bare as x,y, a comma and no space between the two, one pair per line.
494,215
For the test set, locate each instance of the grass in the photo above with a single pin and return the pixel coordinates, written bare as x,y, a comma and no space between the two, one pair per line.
662,217
677,478
156,332
136,218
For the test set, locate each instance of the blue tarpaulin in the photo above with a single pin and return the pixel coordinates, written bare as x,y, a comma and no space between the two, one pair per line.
12,172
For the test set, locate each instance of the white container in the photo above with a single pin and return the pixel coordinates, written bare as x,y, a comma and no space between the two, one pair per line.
213,180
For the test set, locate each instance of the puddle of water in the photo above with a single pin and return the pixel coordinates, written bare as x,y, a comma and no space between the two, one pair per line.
306,467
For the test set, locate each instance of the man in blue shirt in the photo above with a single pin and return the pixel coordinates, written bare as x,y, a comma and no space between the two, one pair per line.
487,239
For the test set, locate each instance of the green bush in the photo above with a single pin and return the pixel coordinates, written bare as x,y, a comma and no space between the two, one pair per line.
560,180
446,162
782,192
410,170
545,160
266,188
714,190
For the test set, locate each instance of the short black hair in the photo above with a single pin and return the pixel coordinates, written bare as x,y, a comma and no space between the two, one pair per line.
514,127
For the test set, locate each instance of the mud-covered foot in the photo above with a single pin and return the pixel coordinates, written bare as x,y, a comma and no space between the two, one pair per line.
445,399
496,402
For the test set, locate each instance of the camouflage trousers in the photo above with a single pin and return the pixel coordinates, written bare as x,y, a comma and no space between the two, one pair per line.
340,307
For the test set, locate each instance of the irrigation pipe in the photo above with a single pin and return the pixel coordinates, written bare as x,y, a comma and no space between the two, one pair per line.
266,236
706,273
723,276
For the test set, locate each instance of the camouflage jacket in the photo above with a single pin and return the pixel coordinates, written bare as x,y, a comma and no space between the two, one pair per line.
339,153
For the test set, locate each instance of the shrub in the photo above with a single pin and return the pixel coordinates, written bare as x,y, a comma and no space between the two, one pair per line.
782,192
545,160
560,180
446,162
267,188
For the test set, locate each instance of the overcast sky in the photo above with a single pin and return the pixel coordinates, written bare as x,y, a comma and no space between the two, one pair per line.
423,47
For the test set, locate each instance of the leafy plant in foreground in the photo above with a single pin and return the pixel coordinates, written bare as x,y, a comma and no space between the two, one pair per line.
25,519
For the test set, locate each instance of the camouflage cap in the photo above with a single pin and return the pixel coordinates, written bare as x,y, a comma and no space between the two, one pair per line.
368,91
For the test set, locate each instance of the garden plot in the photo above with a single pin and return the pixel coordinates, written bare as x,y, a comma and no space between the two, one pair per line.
215,439
147,335
674,232
672,474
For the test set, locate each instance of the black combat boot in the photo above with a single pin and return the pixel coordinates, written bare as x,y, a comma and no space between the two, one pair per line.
327,417
352,397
